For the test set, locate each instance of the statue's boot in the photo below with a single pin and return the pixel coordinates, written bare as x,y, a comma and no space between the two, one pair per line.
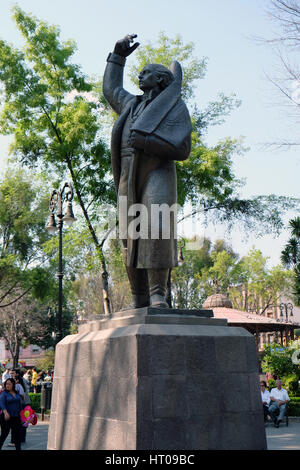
138,280
158,280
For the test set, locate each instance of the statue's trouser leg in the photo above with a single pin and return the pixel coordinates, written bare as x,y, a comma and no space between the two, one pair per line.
138,280
158,280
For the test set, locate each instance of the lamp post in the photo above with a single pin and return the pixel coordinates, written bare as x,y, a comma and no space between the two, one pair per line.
285,308
57,200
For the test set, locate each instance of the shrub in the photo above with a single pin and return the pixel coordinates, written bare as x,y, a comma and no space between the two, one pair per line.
294,408
290,383
35,401
295,400
271,384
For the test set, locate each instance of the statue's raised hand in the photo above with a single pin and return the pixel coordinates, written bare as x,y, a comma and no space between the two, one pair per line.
123,47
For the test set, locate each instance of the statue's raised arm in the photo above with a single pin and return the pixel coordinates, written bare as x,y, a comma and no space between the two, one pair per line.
113,89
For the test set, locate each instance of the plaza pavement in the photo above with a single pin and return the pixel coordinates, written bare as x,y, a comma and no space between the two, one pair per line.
36,437
282,438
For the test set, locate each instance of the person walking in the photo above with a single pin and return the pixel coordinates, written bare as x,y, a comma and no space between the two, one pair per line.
27,379
34,379
5,375
11,406
19,387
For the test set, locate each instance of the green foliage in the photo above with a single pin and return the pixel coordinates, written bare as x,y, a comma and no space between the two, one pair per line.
293,408
87,291
209,268
207,176
186,292
257,284
290,256
279,361
208,172
47,362
49,109
206,267
28,281
165,52
290,383
23,209
35,401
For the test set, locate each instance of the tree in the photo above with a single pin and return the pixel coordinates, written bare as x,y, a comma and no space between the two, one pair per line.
27,275
285,43
47,363
86,289
257,287
185,284
290,256
205,270
23,207
54,120
16,326
282,363
215,268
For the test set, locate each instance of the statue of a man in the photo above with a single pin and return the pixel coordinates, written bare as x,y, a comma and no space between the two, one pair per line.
152,131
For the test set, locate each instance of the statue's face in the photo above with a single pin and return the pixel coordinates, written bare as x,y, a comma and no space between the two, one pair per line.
148,79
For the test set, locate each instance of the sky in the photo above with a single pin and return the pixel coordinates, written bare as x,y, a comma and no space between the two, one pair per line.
223,31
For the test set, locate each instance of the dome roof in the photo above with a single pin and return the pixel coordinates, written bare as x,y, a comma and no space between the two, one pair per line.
217,300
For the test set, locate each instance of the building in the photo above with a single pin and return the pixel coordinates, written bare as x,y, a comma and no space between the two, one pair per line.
28,356
265,328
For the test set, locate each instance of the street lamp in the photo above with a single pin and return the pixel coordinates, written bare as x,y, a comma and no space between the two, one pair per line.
57,200
285,308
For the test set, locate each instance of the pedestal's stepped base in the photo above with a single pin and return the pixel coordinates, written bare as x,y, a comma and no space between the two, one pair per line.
157,381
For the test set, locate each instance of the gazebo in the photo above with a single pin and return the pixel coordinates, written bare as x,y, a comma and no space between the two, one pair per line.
255,324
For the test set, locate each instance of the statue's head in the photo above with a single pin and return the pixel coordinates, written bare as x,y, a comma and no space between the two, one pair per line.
155,76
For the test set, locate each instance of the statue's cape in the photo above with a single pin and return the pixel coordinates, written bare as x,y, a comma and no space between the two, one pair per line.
167,116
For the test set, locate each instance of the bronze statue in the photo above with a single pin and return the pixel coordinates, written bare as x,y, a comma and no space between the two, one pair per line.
152,131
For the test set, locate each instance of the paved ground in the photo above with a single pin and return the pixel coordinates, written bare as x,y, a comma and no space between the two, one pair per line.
282,438
36,438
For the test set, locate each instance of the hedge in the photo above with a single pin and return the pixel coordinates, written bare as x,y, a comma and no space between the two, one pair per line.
35,401
294,409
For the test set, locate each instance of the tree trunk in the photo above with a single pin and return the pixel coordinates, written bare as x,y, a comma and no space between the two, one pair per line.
99,250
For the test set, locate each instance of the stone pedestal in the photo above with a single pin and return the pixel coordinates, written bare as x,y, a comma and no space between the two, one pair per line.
157,379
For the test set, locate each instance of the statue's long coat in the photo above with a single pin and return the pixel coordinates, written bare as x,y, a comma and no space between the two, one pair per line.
152,175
